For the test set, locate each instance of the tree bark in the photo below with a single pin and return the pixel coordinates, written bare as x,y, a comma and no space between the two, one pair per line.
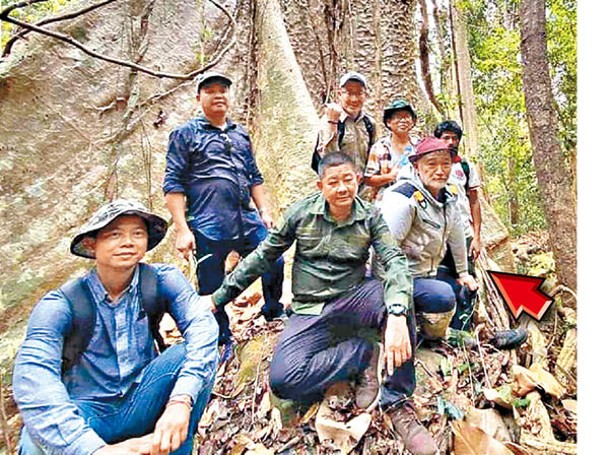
553,177
424,56
287,122
465,88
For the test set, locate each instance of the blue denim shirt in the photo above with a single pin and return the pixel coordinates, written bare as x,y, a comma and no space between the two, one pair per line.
120,348
216,170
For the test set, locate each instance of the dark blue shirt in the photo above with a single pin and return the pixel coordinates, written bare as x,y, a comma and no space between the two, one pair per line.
216,170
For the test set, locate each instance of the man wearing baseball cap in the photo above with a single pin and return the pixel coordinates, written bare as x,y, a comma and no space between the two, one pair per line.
89,378
345,127
214,191
423,216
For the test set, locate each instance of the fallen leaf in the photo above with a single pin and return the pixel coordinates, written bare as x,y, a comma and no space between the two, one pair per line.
546,381
523,381
259,449
490,421
265,405
570,405
501,396
344,435
471,440
310,413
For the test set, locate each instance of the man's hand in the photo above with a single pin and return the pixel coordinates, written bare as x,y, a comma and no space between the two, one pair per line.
267,219
333,112
467,280
171,430
397,342
133,446
185,242
475,247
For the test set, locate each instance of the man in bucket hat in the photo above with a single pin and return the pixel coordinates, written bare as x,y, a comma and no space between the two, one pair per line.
422,215
88,377
215,194
389,155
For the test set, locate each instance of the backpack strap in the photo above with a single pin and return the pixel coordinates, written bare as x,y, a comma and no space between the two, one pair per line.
81,306
466,169
369,124
152,302
370,129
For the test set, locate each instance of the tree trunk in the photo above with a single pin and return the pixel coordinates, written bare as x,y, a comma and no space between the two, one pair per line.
424,56
552,175
465,88
447,83
287,122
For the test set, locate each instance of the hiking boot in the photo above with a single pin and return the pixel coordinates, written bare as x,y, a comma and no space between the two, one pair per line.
509,339
415,436
368,392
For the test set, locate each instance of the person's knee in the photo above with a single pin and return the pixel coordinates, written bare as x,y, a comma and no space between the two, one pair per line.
285,382
443,299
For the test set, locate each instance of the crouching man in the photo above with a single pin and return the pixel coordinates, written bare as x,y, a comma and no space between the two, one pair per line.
88,377
423,216
333,301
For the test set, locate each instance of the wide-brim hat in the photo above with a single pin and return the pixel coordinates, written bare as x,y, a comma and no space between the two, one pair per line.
156,226
210,77
353,76
431,144
395,106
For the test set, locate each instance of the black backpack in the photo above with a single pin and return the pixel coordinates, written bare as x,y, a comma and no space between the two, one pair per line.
83,312
315,159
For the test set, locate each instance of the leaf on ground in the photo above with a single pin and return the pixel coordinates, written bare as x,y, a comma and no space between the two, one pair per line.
570,405
524,381
310,413
527,379
471,440
265,405
259,449
502,396
547,381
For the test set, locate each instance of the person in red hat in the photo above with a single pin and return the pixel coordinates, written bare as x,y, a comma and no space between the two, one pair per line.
422,214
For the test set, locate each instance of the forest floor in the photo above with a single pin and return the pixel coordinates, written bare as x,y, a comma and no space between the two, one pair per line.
473,398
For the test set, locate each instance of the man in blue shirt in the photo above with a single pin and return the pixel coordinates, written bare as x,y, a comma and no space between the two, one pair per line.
118,395
214,191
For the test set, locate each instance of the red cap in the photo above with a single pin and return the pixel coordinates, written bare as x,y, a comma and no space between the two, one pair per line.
428,145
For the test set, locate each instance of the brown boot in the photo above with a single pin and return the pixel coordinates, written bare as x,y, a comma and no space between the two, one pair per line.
368,392
415,436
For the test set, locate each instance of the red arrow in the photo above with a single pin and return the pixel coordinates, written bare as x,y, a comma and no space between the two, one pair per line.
522,293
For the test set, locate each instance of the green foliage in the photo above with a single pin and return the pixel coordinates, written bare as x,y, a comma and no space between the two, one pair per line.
30,14
505,148
521,402
541,264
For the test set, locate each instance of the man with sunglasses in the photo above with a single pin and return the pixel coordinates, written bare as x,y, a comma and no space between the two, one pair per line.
214,191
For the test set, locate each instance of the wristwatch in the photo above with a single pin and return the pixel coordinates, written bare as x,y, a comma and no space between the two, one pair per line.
396,309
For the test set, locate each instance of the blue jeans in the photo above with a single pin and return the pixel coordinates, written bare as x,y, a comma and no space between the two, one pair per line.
315,352
211,255
136,414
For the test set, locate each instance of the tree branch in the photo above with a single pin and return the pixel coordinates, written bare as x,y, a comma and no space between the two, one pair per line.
4,15
22,33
